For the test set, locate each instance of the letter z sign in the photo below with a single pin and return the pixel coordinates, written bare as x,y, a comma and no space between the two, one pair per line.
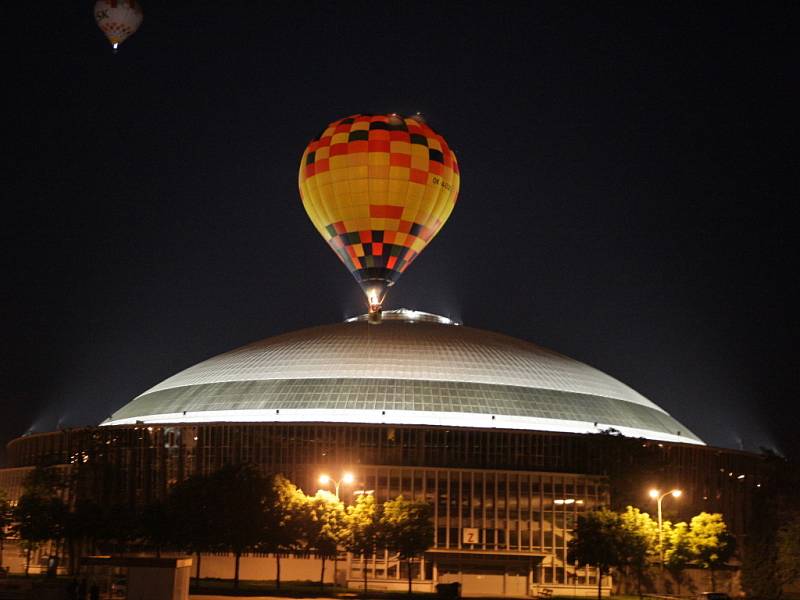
469,535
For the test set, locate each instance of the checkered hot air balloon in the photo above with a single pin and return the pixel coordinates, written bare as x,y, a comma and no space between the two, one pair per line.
378,188
118,19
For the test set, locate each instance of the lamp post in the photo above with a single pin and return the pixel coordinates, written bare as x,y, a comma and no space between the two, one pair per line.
658,497
347,478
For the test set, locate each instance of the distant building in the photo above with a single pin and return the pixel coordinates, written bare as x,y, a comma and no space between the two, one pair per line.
509,442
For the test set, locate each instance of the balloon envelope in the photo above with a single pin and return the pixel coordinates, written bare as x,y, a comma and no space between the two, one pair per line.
378,188
118,19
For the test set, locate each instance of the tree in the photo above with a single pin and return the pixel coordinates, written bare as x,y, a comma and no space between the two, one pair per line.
156,526
677,550
774,509
114,534
82,526
38,519
363,529
324,527
596,541
638,542
5,521
45,482
191,503
788,551
282,527
759,568
41,514
407,529
237,510
710,542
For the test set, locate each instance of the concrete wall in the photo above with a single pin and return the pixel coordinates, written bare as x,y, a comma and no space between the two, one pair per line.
394,585
694,581
263,568
158,583
576,591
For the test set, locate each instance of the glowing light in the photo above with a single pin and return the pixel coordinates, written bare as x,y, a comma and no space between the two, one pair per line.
324,479
348,478
398,417
407,315
676,493
653,493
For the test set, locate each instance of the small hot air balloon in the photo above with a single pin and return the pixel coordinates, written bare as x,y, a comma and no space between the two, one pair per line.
378,188
118,19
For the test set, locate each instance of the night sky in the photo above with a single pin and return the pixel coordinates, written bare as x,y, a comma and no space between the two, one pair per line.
627,177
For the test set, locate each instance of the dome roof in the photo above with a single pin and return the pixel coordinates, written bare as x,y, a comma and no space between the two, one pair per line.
414,368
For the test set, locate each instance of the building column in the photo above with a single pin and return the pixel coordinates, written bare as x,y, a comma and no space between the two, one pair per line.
530,578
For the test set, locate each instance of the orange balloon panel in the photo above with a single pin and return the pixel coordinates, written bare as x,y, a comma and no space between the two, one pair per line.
378,188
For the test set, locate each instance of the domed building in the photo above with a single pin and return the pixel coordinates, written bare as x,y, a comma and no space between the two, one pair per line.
509,443
414,369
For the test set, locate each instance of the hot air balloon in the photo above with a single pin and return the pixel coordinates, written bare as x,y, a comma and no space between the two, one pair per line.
118,19
378,188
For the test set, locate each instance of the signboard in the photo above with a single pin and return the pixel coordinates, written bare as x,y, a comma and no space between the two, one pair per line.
469,535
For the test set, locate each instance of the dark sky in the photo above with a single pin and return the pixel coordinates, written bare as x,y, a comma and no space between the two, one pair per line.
628,178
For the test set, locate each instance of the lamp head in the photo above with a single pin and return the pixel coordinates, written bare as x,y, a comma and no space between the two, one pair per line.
348,478
324,479
653,493
676,493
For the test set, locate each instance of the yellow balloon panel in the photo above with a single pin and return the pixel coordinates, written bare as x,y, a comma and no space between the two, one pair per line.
378,188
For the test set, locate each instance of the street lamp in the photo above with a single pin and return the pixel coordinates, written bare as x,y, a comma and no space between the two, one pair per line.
347,478
658,497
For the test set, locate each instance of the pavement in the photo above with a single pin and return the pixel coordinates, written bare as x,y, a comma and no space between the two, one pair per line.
212,597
